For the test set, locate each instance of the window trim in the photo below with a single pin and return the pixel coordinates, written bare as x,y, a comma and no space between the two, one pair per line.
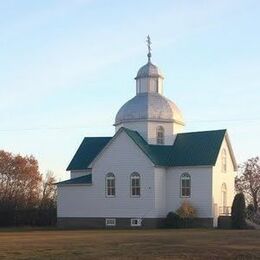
110,224
138,224
161,130
181,177
131,186
106,184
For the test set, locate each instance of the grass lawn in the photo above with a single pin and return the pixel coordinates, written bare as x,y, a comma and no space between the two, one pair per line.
130,244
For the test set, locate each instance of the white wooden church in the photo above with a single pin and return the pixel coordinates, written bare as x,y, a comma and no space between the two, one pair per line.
149,167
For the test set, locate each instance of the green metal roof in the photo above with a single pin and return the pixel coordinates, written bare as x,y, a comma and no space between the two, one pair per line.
86,179
189,149
198,148
87,151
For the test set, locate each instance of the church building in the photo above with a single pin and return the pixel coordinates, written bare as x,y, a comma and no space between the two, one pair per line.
148,168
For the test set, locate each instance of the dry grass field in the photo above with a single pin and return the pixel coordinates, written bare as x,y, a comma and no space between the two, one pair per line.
130,244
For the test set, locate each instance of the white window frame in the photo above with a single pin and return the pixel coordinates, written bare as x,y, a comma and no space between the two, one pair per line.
110,222
136,222
160,136
109,177
185,176
135,176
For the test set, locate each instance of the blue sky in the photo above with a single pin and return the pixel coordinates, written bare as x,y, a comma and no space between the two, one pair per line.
66,67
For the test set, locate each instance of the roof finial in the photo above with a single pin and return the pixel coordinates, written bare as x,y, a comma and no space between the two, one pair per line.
149,43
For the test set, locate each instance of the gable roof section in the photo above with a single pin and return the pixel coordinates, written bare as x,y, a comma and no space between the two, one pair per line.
86,179
189,149
197,148
156,153
87,151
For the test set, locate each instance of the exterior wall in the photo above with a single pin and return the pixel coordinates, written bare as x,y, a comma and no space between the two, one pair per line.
152,85
152,131
148,130
219,178
201,189
140,127
122,157
160,192
177,128
76,174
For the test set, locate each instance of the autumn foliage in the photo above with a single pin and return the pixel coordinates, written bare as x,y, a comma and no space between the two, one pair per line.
186,210
22,186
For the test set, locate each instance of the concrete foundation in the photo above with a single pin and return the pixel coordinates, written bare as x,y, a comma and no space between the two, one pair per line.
100,223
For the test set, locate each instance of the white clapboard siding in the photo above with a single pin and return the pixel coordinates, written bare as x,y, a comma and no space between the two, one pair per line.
160,192
220,177
201,189
122,157
79,173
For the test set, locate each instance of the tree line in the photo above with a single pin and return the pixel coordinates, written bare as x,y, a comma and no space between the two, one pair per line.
26,196
248,182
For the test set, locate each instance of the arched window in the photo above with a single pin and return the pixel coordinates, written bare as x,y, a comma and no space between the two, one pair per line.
110,185
224,209
224,195
185,185
224,160
135,184
160,135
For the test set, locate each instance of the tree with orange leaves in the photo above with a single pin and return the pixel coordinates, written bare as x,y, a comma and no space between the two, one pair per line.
20,181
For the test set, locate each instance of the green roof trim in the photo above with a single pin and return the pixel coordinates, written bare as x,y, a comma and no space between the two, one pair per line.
86,179
87,152
189,149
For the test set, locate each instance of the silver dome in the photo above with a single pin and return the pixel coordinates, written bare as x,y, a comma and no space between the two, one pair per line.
149,70
149,106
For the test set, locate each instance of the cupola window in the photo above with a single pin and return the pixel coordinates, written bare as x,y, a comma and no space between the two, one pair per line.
160,135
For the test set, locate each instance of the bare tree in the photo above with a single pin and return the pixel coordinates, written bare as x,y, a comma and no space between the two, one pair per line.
248,180
49,191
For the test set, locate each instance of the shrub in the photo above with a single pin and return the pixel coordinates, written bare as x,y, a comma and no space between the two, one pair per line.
186,210
238,212
172,220
250,210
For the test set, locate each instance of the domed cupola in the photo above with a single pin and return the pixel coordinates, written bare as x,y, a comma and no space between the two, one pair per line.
149,109
149,70
149,78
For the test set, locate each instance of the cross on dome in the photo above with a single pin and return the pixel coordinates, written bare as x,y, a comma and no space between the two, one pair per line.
149,43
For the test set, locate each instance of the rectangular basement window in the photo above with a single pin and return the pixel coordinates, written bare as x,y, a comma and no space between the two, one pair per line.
110,222
136,222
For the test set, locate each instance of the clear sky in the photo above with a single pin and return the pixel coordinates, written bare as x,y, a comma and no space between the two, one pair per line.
66,67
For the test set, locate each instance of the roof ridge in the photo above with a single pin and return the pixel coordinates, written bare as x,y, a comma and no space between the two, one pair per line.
98,136
206,131
148,154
